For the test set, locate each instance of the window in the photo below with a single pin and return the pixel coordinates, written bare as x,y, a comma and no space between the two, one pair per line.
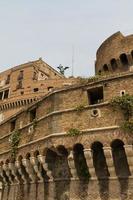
1,95
13,125
32,115
124,59
95,95
20,76
6,94
8,79
113,64
35,89
50,89
105,68
19,86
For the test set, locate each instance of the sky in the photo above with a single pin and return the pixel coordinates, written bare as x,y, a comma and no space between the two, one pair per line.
60,31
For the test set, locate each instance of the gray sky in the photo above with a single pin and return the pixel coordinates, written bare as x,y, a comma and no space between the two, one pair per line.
30,29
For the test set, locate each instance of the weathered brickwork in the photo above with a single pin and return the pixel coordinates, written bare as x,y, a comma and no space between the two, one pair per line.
70,144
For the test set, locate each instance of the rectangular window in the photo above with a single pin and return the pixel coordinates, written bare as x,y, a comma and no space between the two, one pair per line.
6,94
13,125
32,115
95,95
1,95
35,89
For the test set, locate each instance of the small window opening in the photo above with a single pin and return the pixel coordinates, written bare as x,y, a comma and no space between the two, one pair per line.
35,89
19,86
99,72
124,59
13,125
6,94
20,76
113,64
50,89
22,92
122,92
32,115
105,68
1,95
95,95
8,79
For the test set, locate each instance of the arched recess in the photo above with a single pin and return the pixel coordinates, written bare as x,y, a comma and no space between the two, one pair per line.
80,161
62,163
99,160
105,68
132,54
120,159
124,60
113,64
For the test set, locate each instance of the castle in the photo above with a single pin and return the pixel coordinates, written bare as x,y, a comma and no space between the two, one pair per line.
60,138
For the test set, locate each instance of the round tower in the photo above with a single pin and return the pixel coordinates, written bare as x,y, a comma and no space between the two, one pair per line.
115,54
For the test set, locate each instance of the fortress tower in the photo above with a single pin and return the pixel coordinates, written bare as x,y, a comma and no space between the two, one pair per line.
69,143
115,54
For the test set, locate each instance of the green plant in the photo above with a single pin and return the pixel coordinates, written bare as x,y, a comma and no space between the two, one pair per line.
80,107
14,141
73,132
127,126
125,104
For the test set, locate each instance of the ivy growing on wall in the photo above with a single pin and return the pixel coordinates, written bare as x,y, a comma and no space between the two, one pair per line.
124,103
14,142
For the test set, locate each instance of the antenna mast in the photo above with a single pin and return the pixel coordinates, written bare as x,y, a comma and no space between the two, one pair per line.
72,60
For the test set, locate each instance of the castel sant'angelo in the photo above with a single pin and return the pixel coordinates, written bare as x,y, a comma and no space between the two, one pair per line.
69,138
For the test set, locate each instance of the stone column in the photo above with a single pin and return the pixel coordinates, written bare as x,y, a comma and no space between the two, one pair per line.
34,163
20,171
8,172
42,160
5,181
129,154
89,161
71,164
29,169
109,161
14,171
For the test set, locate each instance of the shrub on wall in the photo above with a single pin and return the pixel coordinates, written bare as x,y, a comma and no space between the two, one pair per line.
125,104
14,141
73,132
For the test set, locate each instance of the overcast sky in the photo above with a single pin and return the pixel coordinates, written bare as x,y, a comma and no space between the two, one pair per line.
50,29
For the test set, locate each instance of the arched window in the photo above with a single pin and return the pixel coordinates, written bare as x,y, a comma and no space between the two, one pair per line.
124,60
120,159
99,160
113,64
105,68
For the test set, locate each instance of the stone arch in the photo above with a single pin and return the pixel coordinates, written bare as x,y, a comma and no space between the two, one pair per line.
50,160
80,161
62,163
113,64
119,158
105,68
28,155
124,60
99,160
36,153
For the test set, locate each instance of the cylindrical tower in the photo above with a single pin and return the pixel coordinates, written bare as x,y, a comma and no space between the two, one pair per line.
115,54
